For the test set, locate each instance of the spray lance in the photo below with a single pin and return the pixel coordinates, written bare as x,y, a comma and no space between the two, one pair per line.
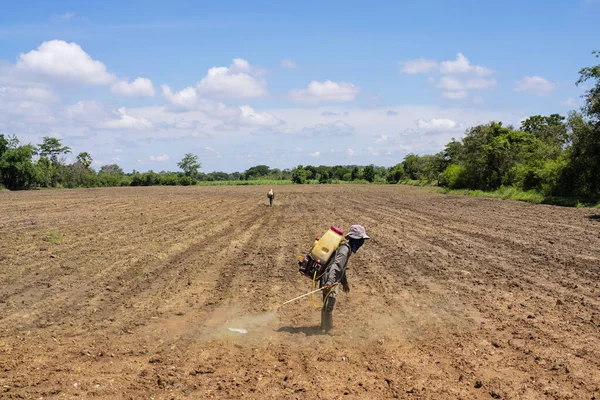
308,294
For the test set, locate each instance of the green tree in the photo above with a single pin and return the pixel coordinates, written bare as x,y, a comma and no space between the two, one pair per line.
411,166
299,175
52,148
257,171
592,97
581,175
355,174
189,165
551,129
369,173
16,167
311,172
111,169
396,173
50,151
3,144
85,159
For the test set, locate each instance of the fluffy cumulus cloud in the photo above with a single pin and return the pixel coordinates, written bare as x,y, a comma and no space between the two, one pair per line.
238,81
461,65
249,117
287,63
457,76
65,61
325,92
315,154
140,87
188,99
436,125
536,85
126,121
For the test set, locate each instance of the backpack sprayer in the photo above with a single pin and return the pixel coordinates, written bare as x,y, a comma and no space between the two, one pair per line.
314,263
323,248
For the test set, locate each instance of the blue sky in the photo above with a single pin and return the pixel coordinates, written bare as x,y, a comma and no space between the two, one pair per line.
140,83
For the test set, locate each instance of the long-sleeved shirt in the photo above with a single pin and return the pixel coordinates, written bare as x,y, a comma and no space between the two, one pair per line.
336,270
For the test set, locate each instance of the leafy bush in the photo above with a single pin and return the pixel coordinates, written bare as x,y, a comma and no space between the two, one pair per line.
454,177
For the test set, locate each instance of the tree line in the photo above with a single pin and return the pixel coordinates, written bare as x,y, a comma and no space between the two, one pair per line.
553,155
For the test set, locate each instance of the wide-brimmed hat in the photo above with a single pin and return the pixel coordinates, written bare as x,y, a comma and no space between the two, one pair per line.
357,232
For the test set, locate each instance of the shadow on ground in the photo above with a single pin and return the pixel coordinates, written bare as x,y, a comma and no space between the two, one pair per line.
594,217
307,330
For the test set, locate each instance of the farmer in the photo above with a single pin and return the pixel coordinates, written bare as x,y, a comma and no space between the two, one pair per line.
335,273
271,196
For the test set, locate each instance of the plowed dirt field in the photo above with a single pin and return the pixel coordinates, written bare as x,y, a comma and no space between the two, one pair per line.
129,293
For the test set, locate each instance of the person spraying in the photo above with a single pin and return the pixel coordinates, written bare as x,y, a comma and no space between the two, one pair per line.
335,273
271,196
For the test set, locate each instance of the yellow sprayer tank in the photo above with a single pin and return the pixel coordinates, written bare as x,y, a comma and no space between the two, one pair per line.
327,245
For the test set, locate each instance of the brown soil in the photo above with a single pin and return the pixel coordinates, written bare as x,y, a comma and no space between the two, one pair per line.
129,293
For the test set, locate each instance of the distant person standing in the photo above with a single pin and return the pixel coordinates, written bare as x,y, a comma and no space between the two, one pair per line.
271,196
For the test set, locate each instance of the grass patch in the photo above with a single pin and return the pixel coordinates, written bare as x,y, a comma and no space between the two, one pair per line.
245,183
411,182
512,193
53,237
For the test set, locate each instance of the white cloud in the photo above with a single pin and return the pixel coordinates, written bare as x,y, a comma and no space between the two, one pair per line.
337,128
456,84
418,66
188,99
65,61
382,139
351,152
28,93
536,85
298,149
455,95
185,99
117,150
249,117
372,151
126,121
477,100
436,125
162,158
234,81
462,66
459,66
325,92
86,111
287,63
334,113
315,154
226,128
140,87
